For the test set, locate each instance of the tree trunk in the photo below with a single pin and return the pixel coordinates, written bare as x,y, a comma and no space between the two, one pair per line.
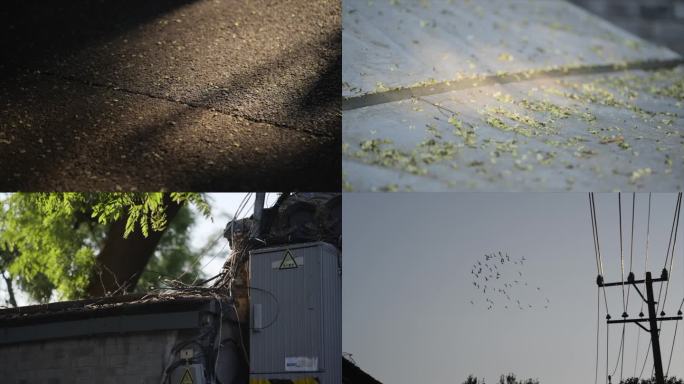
121,262
10,289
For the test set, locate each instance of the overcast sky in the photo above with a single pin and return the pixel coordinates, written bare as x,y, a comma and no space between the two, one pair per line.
407,285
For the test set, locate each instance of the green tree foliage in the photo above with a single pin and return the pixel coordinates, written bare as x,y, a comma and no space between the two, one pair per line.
511,379
504,379
173,258
636,380
49,241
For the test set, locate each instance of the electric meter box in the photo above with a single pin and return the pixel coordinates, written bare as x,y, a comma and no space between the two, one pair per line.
188,374
296,313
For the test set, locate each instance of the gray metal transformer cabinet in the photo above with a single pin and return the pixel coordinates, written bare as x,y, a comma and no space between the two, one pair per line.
296,313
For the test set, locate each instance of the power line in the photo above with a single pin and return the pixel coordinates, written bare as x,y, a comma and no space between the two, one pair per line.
598,327
667,372
641,311
648,231
648,350
624,304
675,219
599,278
599,263
674,242
631,260
679,311
622,259
654,319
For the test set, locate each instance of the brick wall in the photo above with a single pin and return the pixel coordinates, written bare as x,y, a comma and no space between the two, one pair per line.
659,21
132,358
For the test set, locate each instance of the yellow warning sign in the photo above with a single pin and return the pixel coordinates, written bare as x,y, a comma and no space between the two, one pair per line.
288,261
187,377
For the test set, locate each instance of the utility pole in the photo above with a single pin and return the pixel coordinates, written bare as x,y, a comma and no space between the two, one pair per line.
259,200
652,315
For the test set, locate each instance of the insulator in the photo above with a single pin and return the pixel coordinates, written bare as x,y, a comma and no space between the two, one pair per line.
641,314
663,275
679,313
599,280
630,277
608,317
624,315
662,313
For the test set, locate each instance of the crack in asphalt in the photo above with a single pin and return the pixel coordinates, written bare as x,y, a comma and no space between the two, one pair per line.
190,104
404,93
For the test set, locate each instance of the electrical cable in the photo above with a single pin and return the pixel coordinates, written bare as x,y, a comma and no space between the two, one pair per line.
648,350
670,251
624,304
620,353
679,311
607,354
636,355
220,251
631,247
217,343
631,260
592,210
593,234
234,263
197,257
598,327
173,364
648,232
216,276
592,205
599,267
242,341
669,244
674,243
674,219
275,299
631,257
622,259
667,373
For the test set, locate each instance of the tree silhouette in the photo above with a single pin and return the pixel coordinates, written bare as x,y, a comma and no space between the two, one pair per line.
510,378
636,380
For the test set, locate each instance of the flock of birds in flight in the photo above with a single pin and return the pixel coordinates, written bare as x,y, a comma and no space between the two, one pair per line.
499,278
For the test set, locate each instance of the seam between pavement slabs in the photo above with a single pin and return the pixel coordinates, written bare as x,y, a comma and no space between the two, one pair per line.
75,79
404,93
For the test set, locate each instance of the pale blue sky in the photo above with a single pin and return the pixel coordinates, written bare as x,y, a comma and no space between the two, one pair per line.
407,287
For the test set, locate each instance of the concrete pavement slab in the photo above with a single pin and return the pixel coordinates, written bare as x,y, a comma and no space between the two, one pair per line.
400,44
620,131
491,95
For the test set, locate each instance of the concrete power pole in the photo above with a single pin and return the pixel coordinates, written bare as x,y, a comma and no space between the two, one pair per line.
259,200
652,315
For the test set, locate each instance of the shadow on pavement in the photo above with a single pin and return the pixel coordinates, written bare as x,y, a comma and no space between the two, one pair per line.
37,32
98,138
81,138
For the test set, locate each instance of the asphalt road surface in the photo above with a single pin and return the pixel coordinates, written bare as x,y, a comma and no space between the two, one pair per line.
173,94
